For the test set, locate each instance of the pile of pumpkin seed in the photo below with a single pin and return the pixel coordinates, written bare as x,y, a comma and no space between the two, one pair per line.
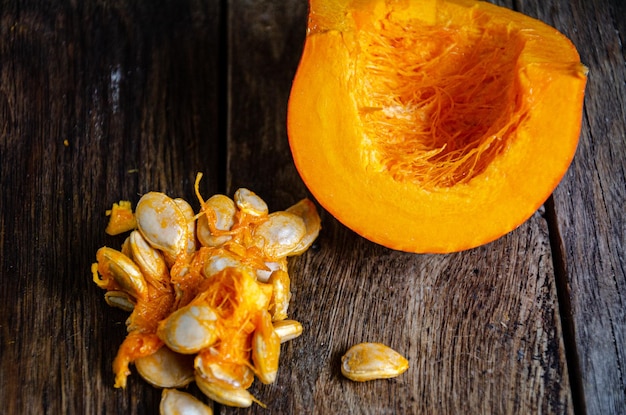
208,292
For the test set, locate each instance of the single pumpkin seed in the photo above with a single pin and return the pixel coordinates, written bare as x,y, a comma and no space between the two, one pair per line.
287,329
162,223
119,299
189,329
280,234
312,222
370,361
265,348
166,368
123,270
249,202
281,294
222,211
174,402
237,397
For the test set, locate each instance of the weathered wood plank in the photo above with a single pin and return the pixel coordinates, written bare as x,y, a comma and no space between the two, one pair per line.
132,88
481,328
478,327
590,207
135,91
265,40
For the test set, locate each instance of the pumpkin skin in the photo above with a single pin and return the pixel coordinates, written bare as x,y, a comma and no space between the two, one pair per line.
433,126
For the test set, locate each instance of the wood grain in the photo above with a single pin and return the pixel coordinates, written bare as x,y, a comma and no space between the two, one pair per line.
105,100
132,90
486,318
590,210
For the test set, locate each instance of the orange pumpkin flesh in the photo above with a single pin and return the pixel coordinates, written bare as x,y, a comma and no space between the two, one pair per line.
433,126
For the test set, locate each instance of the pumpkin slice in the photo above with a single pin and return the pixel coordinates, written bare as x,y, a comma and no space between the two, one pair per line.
433,126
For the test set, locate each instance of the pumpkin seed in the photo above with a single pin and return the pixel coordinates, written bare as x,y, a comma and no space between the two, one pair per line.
238,397
119,299
189,329
247,201
370,361
112,263
175,402
221,211
281,294
166,368
287,329
214,312
265,349
312,222
162,223
280,234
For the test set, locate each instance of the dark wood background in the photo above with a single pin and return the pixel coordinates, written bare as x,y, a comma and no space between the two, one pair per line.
106,100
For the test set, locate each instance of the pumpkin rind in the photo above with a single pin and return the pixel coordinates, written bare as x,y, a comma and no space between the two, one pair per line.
326,129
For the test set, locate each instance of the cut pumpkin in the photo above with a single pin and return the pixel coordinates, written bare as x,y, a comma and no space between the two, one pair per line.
433,126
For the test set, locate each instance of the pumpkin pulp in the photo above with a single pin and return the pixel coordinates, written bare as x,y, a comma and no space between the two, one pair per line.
433,126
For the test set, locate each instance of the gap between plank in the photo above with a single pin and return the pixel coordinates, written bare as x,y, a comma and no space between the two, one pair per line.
223,116
565,308
223,105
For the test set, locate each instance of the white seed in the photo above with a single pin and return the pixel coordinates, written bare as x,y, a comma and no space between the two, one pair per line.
227,374
189,214
238,397
123,270
206,237
281,294
126,247
307,211
162,223
287,329
369,361
149,259
222,210
166,368
248,202
175,402
279,235
263,275
219,262
265,349
189,329
119,299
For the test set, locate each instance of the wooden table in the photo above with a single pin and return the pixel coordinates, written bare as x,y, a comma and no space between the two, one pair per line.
106,100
